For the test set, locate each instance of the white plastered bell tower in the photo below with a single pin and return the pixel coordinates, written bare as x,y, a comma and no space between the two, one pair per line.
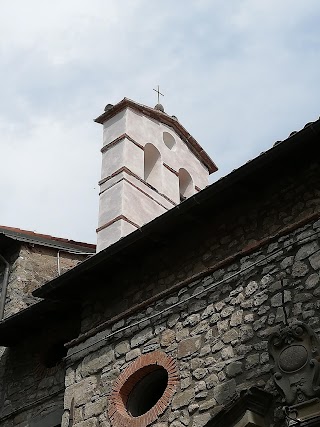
150,163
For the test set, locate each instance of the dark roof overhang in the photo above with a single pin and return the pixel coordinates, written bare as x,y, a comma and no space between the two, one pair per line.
300,147
34,319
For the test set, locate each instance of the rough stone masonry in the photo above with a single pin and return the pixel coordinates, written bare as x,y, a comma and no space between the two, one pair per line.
218,338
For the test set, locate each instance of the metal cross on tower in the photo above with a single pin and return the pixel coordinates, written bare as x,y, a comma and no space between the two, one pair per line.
159,93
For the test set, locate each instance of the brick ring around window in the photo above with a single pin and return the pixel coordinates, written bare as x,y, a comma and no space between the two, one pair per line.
143,390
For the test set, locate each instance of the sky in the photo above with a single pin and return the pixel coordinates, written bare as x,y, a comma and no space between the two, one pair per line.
238,74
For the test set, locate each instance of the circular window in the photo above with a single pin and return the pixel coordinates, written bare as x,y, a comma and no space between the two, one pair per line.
147,392
143,391
169,140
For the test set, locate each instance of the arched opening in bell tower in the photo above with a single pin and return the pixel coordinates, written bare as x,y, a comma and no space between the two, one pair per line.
186,187
152,166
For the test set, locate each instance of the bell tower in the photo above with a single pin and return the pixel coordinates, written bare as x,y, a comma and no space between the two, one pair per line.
150,163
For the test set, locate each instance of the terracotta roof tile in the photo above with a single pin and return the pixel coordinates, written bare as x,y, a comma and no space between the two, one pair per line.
45,239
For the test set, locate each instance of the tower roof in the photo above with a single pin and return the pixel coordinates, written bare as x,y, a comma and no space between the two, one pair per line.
163,118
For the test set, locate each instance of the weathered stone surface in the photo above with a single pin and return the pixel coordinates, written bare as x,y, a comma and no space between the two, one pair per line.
223,326
188,346
303,297
306,250
200,373
230,335
211,381
236,318
251,288
227,353
81,392
210,403
173,319
183,399
94,409
299,269
199,386
315,261
93,422
167,337
276,300
31,267
122,348
223,393
260,298
252,360
96,361
201,420
142,337
133,354
225,312
312,280
109,376
287,262
192,320
234,369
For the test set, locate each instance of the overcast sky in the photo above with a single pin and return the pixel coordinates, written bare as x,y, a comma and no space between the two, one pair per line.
238,74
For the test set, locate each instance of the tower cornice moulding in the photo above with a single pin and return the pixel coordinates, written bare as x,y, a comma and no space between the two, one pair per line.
164,118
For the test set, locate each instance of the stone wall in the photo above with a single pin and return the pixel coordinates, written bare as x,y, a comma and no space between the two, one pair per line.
31,267
32,374
248,217
29,390
216,329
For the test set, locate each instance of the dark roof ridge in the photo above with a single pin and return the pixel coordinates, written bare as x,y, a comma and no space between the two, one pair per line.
45,239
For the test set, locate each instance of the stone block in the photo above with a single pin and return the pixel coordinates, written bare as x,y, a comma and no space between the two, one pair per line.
211,381
201,420
188,346
122,348
81,392
307,250
251,288
167,337
236,318
133,354
223,393
299,269
142,337
315,261
183,398
230,336
234,369
93,422
95,362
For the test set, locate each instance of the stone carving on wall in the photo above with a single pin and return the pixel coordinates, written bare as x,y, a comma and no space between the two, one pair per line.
295,350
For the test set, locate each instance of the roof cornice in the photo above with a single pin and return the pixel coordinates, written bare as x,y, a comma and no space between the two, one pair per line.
165,119
46,240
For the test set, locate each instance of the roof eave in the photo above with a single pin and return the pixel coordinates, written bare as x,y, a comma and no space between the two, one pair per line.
166,119
49,289
47,241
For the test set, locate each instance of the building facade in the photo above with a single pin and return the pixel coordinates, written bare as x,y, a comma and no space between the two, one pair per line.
207,315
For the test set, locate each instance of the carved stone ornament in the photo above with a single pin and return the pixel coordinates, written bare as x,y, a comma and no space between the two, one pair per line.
295,350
